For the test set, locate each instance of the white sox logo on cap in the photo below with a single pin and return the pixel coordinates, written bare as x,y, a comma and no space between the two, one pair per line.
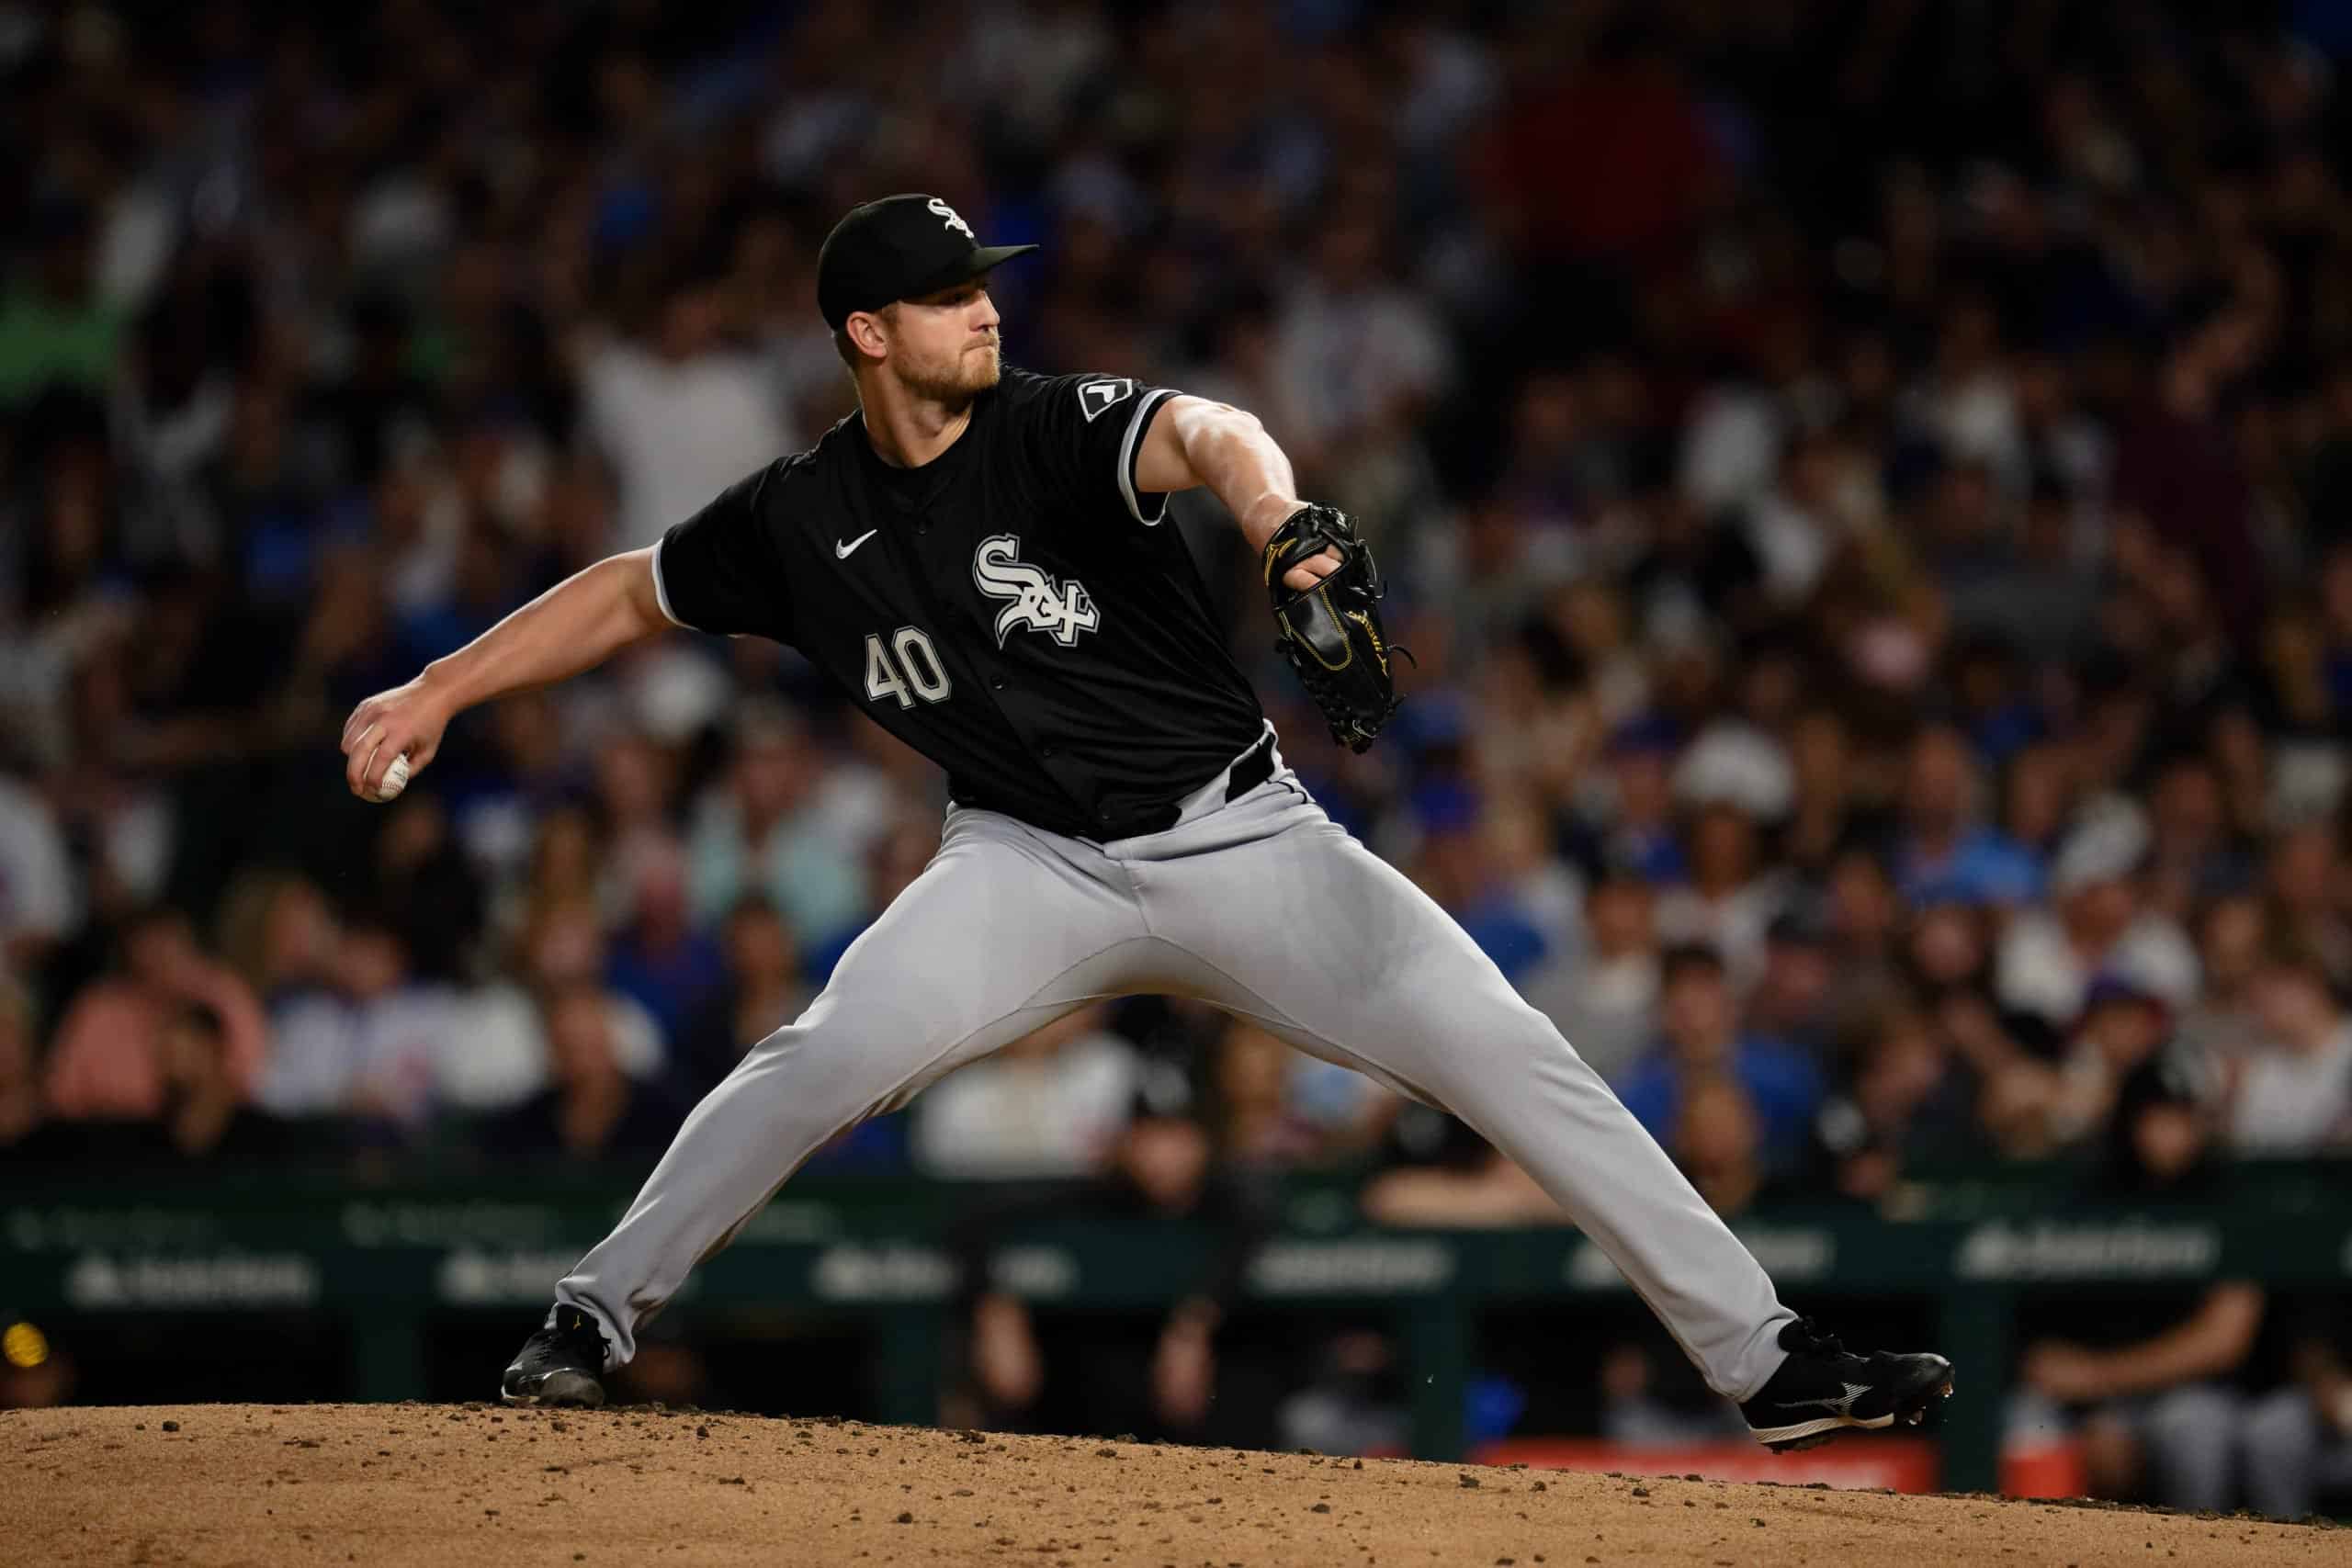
947,214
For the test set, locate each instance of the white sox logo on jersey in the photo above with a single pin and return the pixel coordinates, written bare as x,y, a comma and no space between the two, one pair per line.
1062,610
941,210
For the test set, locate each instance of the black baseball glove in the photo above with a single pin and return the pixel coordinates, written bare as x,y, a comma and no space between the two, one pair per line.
1330,632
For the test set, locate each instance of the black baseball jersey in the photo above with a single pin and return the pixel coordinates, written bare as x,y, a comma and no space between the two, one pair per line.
1012,609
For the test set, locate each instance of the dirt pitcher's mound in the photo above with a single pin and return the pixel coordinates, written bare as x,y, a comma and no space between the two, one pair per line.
461,1484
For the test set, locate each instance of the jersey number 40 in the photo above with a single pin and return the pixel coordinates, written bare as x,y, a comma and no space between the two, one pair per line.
907,669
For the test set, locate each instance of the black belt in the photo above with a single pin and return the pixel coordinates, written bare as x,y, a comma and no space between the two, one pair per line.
1254,767
1257,765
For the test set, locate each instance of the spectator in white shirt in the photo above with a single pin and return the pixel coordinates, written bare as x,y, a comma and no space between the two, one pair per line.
367,1043
1050,1104
2099,926
38,901
1356,358
498,1056
681,416
1603,997
2294,1095
1728,903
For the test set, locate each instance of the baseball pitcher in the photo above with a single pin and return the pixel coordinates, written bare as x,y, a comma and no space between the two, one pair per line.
977,558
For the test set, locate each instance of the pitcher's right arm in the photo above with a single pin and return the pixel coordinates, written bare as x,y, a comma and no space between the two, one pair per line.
574,625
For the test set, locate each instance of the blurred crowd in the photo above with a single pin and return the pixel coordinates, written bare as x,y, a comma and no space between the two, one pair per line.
1868,485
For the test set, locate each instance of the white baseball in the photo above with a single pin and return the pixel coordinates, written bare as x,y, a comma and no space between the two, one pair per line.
395,779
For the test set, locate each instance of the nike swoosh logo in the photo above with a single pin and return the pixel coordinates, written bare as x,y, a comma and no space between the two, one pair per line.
1840,1406
842,552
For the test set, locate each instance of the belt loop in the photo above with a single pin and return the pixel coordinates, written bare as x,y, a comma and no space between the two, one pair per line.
1255,767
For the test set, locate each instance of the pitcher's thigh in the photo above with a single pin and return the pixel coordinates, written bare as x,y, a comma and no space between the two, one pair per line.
1314,931
992,933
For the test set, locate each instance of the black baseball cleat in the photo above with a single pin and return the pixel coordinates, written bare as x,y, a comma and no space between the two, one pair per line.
562,1366
1821,1390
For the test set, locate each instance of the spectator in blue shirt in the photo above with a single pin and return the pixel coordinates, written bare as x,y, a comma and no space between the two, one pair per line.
1947,854
1637,834
1456,867
1701,1039
660,957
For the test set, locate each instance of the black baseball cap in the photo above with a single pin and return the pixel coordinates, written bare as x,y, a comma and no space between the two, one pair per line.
900,248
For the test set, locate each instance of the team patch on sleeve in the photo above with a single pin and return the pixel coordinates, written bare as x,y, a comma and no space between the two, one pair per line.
1097,396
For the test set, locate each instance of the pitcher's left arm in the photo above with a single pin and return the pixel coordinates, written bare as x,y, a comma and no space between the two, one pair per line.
1319,573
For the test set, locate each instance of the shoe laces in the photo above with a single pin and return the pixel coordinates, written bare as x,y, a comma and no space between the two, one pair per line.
1806,1337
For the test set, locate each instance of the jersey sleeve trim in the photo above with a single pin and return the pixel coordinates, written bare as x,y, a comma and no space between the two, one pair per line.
1130,448
662,592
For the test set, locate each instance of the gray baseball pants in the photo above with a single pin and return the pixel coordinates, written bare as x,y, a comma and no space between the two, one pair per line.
1260,905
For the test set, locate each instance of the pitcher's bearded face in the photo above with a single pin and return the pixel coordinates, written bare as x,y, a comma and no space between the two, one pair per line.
943,346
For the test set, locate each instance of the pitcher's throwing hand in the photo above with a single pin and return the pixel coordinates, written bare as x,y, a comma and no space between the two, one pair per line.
402,725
